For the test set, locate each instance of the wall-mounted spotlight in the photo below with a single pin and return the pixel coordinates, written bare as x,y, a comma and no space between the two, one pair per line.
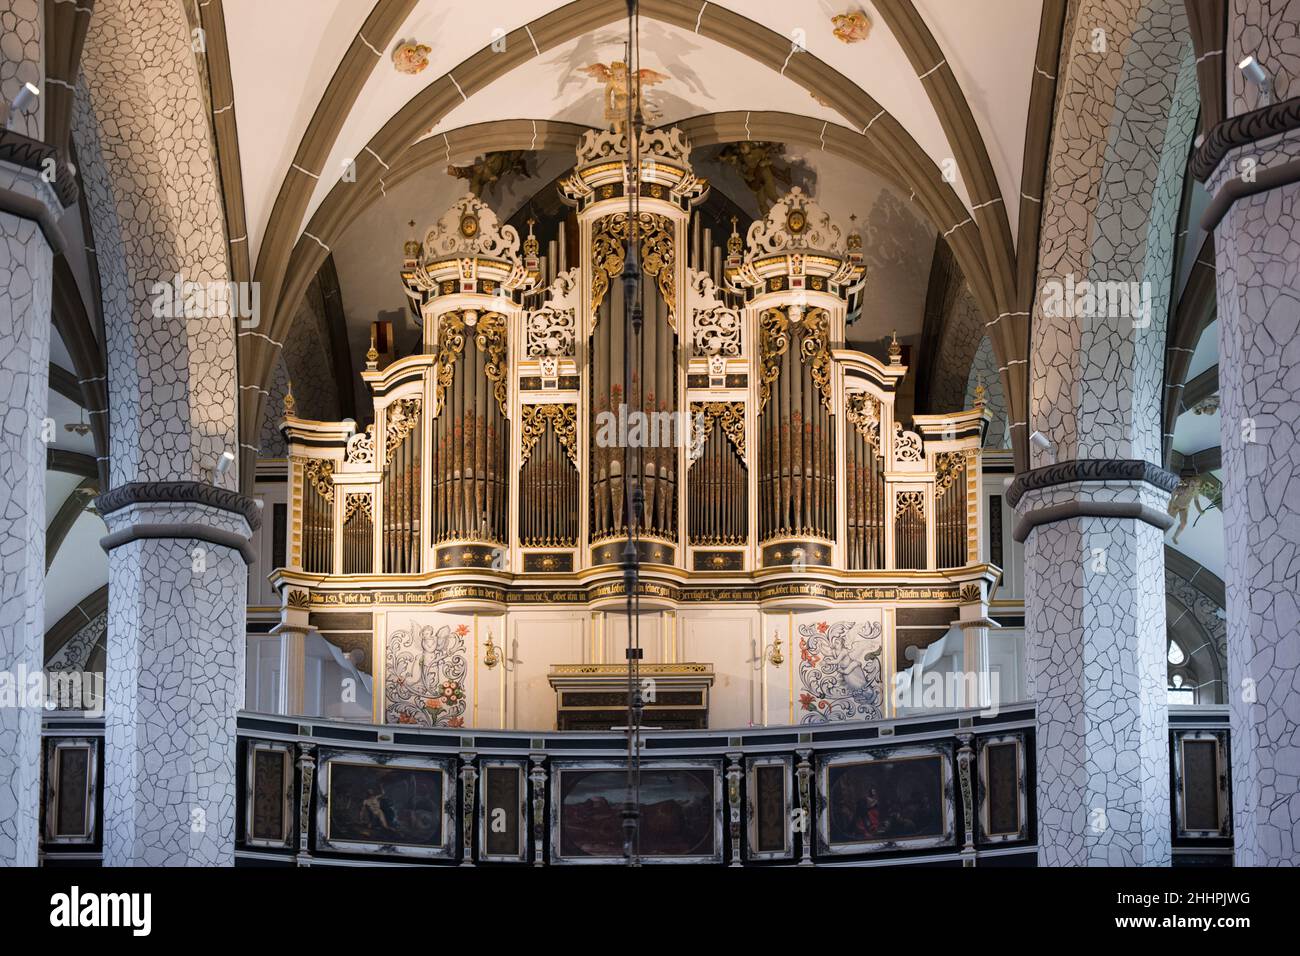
224,462
1256,74
26,97
1039,440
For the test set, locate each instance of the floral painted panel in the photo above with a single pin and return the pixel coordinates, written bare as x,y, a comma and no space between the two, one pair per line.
425,679
839,671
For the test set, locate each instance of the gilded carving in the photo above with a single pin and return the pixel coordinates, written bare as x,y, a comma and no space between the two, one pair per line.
358,502
491,340
319,473
403,417
609,255
732,417
533,422
863,411
948,466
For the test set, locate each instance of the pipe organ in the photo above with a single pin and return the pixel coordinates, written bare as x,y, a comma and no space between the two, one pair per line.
488,500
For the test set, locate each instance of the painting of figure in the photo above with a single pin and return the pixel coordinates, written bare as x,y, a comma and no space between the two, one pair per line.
385,805
679,811
886,800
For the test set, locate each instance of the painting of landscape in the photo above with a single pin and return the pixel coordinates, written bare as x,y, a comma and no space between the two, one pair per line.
678,813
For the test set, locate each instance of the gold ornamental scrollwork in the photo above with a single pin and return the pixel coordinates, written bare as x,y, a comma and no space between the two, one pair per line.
732,417
490,338
774,334
358,502
451,342
948,466
863,412
563,418
403,418
773,341
658,256
319,473
815,346
910,502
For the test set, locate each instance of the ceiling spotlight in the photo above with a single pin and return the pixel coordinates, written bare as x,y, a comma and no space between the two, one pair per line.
1255,73
20,104
225,461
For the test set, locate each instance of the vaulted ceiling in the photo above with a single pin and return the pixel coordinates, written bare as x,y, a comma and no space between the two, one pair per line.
293,76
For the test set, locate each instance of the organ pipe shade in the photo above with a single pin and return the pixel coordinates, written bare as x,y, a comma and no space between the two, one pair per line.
471,433
909,530
796,477
651,391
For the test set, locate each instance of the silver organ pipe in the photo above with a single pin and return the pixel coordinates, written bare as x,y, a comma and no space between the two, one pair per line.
796,486
950,509
548,490
402,490
318,516
470,434
645,407
718,481
864,485
358,535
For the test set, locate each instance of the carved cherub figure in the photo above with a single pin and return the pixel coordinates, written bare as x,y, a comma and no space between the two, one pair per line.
486,171
615,78
1189,492
756,163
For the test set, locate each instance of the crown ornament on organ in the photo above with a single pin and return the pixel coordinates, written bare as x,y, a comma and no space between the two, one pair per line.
601,174
468,251
895,350
797,246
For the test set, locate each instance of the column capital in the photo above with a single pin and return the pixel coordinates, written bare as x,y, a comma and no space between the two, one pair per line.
25,193
1244,129
1092,488
178,509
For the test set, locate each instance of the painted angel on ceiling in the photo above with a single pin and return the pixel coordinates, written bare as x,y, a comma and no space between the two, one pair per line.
615,78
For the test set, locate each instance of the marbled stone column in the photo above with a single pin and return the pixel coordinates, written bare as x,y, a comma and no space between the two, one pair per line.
26,269
178,545
1092,525
1257,248
177,592
1095,630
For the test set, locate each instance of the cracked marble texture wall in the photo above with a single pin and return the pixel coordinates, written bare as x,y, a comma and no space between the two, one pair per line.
176,621
25,275
1257,248
1122,131
144,141
1094,606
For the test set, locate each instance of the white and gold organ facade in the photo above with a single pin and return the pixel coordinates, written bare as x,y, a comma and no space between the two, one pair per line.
800,545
